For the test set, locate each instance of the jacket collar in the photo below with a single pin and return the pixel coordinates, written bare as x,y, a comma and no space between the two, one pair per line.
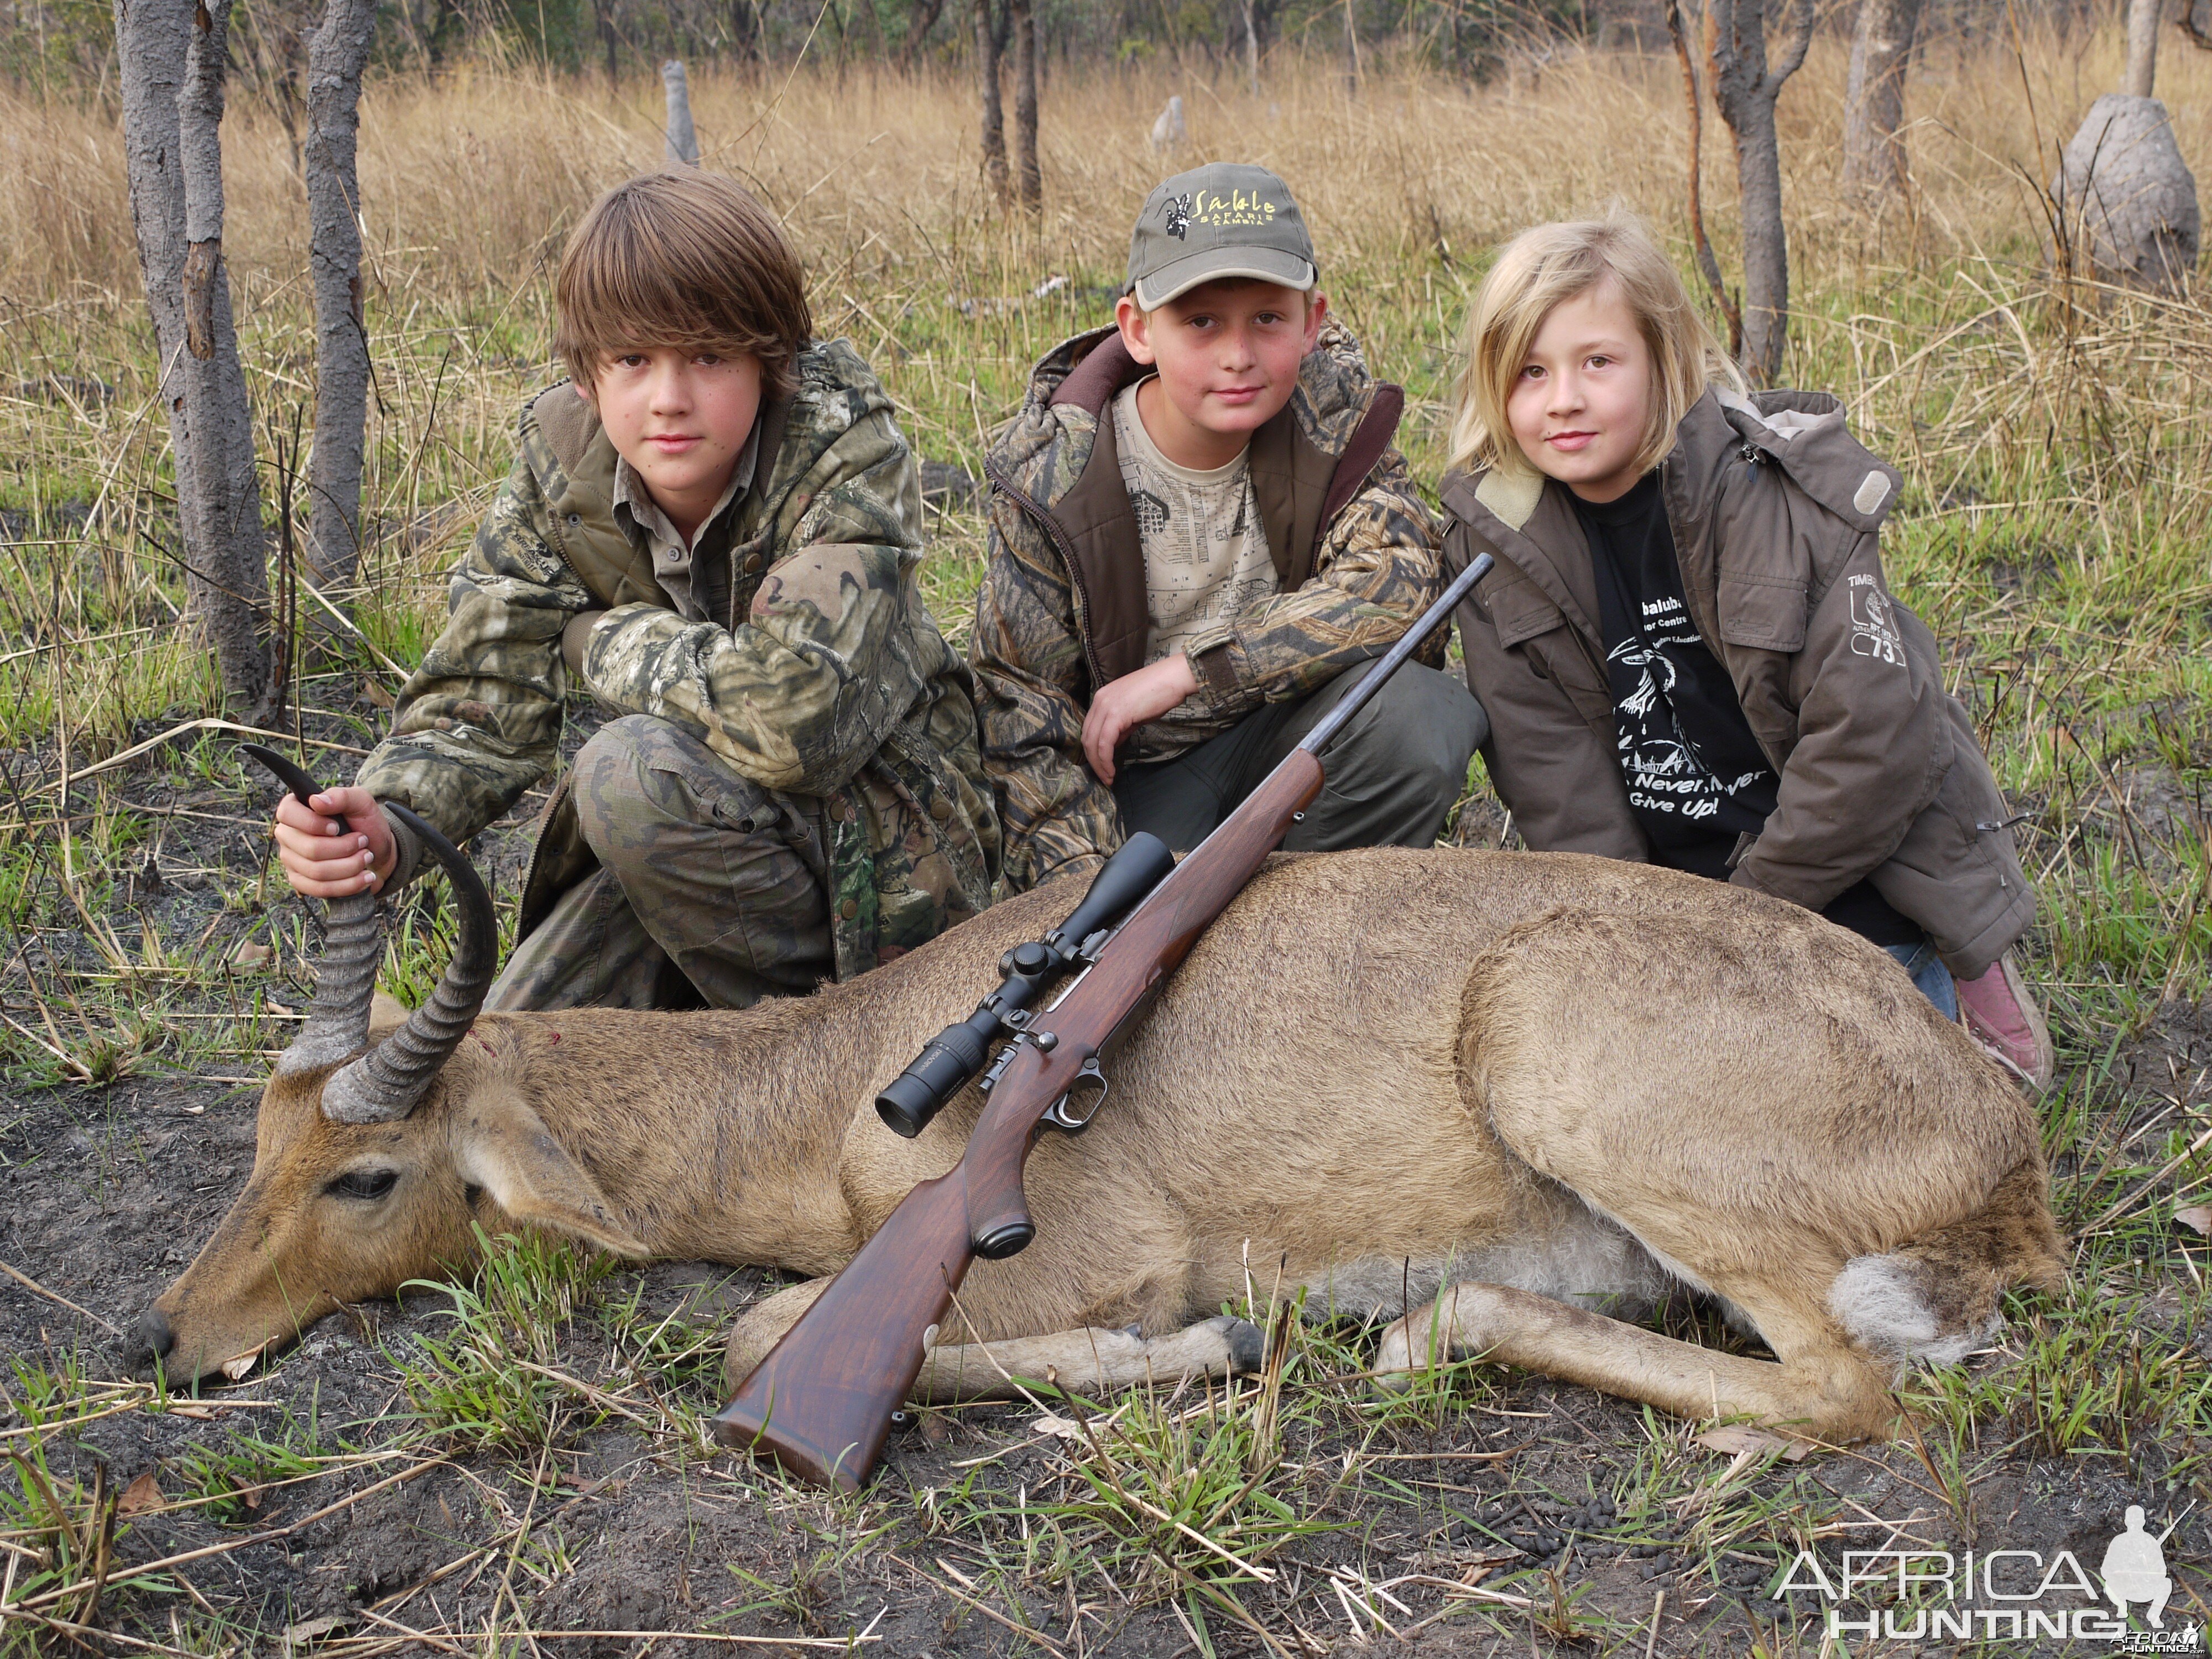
1058,460
577,470
1529,523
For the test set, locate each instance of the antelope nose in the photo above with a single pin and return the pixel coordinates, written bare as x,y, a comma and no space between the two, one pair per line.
155,1339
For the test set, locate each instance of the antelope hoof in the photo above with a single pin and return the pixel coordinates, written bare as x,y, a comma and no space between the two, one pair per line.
1245,1343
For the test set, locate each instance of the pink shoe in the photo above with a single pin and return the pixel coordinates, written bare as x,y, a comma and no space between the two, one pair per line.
2001,1016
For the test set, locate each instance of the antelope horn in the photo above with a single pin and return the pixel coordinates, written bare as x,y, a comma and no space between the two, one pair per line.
389,1081
337,1022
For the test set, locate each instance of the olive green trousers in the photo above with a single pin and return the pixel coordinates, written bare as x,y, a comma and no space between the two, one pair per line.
711,890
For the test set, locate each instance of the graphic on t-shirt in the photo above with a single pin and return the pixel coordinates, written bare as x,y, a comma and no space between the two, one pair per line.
1204,546
1151,512
1234,530
1663,770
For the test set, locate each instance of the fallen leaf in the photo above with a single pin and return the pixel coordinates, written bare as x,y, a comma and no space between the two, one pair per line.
1062,1427
235,1369
2198,1217
191,1111
198,1414
251,1498
373,688
250,954
311,1630
142,1495
277,1008
1736,1441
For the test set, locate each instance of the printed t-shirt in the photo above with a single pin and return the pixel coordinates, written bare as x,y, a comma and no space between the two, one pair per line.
1698,781
1206,550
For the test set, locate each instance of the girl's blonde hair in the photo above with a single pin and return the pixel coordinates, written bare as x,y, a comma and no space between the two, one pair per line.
1544,266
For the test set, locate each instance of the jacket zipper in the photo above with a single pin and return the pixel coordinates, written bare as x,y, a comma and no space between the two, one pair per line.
1067,551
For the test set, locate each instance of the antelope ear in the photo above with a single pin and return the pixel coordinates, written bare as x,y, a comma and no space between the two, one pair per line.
386,1014
503,1146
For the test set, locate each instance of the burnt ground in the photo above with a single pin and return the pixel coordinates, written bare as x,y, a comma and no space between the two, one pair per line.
1593,1529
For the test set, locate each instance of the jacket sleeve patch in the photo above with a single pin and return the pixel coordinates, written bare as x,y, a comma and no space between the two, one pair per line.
1873,630
1873,489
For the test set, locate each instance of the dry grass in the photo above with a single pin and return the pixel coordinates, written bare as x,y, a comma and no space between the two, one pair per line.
470,181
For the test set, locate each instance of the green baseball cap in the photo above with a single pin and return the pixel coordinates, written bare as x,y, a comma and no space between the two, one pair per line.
1226,219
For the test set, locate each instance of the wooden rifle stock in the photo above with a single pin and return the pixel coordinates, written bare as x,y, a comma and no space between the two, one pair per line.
820,1403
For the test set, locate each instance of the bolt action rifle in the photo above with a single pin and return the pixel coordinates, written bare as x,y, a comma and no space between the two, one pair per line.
821,1402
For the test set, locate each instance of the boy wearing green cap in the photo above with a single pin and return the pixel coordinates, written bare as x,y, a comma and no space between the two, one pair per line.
1199,535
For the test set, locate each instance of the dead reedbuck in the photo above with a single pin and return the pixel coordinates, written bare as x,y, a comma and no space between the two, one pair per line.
1527,1094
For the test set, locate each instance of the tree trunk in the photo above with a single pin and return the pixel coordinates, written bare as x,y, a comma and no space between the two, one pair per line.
1251,49
1745,88
1351,51
336,56
682,136
995,121
172,87
1028,179
1708,266
602,17
919,22
1765,253
745,29
2142,47
1874,101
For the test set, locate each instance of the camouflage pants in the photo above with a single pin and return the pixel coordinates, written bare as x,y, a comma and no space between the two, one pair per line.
1392,773
710,888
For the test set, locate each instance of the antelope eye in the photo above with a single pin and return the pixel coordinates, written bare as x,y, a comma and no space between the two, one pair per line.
364,1183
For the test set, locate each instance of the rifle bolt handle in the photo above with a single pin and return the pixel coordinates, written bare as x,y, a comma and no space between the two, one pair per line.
1045,1041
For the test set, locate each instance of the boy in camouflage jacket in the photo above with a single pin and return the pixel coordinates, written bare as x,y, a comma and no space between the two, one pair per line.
1199,535
713,530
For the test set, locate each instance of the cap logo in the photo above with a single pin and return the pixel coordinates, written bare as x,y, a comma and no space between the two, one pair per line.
1235,208
1177,209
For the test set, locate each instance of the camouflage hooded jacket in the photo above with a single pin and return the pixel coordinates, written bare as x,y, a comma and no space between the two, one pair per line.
1063,610
821,673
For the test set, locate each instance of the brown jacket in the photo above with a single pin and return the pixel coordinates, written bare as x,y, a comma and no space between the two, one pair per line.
1063,610
1775,509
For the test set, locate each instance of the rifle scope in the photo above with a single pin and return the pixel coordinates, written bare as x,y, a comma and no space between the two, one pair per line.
953,1057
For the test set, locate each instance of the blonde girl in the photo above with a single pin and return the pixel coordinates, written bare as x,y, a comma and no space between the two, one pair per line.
1687,651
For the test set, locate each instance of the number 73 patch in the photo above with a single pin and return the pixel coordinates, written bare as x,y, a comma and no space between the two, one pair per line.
1874,633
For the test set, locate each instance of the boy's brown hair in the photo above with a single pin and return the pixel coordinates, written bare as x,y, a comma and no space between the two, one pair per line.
681,258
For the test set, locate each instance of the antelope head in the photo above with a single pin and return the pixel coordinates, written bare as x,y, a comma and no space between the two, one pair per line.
371,1155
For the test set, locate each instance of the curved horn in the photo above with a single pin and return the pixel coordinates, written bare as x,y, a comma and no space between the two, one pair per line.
337,1021
389,1081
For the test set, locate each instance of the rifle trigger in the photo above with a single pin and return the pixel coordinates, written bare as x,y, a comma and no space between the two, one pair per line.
1092,1081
